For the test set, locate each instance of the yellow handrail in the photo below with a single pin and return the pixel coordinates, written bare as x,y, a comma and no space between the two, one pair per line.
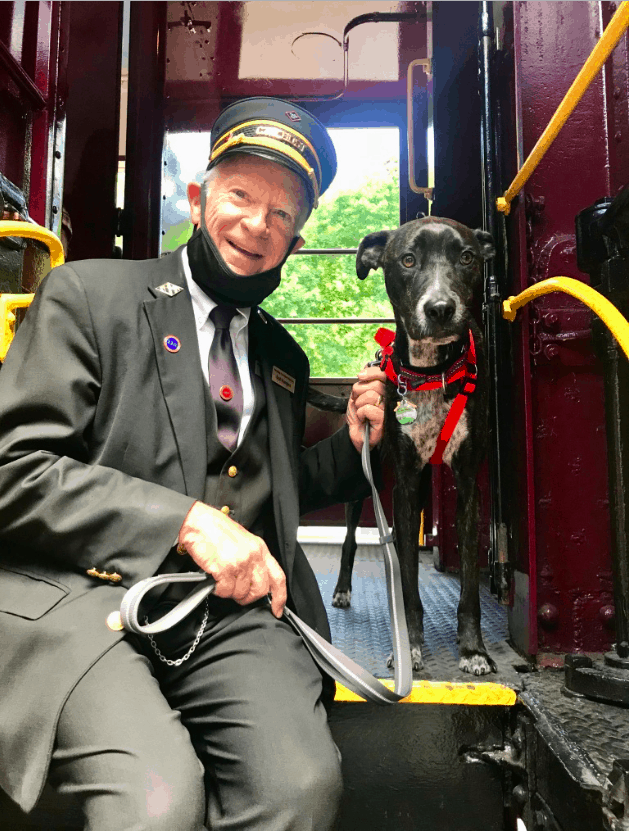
10,228
10,302
608,313
605,46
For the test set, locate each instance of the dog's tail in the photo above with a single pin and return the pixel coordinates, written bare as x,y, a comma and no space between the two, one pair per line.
323,401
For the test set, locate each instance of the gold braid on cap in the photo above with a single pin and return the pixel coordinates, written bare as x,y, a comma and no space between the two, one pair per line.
274,136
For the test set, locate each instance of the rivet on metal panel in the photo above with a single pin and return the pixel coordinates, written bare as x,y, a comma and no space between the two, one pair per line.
520,795
551,322
548,616
607,615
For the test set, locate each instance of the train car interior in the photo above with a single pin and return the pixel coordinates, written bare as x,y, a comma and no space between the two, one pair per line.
435,109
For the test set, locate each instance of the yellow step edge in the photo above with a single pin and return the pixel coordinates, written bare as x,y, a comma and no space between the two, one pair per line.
485,694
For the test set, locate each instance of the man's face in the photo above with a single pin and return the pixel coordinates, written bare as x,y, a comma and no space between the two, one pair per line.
251,212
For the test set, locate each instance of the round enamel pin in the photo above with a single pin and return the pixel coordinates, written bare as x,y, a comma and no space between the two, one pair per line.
226,393
172,343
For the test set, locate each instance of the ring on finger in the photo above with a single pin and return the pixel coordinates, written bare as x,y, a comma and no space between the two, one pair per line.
379,401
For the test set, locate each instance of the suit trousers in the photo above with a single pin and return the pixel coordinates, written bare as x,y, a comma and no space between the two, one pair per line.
236,737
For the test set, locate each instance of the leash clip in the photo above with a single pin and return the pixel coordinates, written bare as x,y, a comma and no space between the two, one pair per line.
378,359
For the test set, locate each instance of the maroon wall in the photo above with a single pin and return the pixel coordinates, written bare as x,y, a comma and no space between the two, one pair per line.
563,507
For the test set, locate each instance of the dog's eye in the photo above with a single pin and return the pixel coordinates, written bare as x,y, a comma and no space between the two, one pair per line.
466,257
408,260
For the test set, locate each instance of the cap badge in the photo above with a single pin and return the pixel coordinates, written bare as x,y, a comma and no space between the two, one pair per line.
226,393
169,289
292,115
172,344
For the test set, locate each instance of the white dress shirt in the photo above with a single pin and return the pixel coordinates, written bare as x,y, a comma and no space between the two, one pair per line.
202,305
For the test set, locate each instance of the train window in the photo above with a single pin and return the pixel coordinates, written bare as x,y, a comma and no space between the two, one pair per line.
320,298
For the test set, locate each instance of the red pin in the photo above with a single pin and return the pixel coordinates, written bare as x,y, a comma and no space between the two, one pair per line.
226,393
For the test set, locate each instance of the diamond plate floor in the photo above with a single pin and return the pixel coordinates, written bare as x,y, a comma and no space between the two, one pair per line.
363,631
598,730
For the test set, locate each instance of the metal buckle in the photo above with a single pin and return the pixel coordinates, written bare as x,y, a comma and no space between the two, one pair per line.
378,359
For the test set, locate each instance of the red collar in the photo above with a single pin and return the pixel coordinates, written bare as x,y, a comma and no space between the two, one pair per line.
408,380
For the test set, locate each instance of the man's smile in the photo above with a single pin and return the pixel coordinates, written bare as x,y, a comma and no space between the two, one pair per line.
251,254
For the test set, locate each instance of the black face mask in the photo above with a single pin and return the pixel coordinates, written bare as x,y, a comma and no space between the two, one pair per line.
213,275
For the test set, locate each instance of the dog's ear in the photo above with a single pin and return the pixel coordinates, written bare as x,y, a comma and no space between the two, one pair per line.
486,242
371,252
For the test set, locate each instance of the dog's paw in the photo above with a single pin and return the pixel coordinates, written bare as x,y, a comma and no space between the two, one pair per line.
342,600
416,659
477,663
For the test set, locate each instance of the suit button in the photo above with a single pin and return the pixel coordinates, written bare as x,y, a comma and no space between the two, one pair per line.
225,509
114,622
233,470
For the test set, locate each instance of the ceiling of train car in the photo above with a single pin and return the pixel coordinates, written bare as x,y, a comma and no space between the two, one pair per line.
218,50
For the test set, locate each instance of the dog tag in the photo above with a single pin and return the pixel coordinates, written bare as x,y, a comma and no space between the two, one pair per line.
405,411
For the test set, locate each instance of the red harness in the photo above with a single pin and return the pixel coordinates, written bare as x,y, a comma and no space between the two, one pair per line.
407,380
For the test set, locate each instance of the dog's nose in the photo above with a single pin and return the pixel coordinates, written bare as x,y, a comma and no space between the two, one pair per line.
439,311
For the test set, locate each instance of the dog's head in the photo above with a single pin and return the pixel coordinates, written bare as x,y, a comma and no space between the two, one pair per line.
432,269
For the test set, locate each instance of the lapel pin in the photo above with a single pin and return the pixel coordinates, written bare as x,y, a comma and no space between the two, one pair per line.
169,289
172,343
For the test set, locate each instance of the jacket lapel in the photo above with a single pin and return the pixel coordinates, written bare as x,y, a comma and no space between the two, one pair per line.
173,328
281,421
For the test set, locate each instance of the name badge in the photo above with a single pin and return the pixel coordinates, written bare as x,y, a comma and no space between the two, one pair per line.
283,379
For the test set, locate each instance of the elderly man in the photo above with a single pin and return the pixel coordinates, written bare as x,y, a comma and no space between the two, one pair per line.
151,421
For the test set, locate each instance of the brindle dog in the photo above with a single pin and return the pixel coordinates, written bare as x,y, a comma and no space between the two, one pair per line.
433,270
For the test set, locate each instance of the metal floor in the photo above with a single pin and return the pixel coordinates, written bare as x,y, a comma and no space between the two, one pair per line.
363,631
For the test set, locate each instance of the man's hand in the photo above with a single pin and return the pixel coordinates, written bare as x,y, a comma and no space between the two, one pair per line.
366,402
240,562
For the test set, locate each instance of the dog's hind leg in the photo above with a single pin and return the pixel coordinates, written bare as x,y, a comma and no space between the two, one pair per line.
474,658
409,497
343,591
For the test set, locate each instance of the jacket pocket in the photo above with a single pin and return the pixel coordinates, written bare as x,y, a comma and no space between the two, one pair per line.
27,595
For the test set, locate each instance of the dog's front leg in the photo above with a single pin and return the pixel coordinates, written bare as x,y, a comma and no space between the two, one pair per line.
409,496
474,658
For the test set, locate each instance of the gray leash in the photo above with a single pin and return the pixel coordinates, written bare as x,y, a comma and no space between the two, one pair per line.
327,656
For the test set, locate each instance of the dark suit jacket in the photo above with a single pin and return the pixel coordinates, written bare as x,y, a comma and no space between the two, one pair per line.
102,454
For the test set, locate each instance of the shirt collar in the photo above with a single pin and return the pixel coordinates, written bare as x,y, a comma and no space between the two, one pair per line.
202,304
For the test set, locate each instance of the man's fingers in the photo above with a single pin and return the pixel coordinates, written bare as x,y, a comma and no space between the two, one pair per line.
371,397
224,586
277,588
371,373
242,589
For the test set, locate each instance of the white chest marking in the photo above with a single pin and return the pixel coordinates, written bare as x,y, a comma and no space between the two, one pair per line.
425,430
432,410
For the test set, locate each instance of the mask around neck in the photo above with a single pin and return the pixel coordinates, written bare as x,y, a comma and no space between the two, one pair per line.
215,277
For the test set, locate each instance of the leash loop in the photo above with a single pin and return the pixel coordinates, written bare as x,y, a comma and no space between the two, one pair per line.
328,657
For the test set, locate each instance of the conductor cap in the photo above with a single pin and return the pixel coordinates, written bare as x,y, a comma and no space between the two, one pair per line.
281,132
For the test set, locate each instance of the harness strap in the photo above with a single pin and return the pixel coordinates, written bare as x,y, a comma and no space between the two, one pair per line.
464,367
452,419
330,659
